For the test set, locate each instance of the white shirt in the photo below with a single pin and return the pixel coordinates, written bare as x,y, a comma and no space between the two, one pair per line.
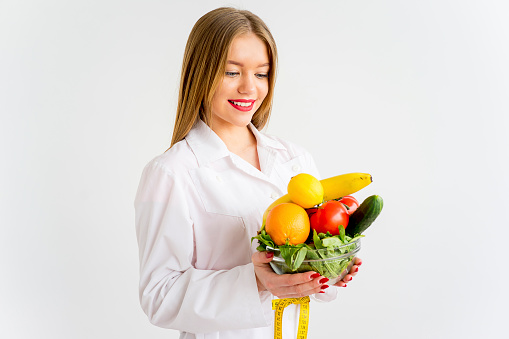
197,207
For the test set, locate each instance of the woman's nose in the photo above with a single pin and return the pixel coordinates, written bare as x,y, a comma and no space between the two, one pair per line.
247,85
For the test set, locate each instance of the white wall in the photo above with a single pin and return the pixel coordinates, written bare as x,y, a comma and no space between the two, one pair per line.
414,92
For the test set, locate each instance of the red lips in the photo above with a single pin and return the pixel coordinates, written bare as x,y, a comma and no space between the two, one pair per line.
242,101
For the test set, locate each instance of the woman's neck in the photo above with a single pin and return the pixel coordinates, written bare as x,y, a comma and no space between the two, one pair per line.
240,141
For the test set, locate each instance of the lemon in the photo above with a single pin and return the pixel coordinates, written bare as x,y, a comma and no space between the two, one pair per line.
305,190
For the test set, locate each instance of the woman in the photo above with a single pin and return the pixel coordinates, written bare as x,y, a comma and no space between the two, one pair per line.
199,203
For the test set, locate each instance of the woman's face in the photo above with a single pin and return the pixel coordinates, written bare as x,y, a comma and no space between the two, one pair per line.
245,83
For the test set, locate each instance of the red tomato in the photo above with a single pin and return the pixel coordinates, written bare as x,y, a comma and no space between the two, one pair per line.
350,202
329,216
311,211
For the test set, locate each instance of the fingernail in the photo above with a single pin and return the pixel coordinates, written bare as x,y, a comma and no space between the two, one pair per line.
345,285
269,254
324,287
316,275
360,263
321,292
350,279
323,281
356,269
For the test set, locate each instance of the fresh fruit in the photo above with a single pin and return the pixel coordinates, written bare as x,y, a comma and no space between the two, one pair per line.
328,217
344,184
282,200
287,223
305,190
364,216
350,202
333,188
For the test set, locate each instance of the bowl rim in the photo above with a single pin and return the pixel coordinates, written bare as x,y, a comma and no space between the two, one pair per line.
346,255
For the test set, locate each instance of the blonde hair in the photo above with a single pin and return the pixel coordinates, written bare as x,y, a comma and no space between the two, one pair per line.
204,65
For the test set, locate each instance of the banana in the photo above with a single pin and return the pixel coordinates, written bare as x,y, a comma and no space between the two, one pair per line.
333,188
344,184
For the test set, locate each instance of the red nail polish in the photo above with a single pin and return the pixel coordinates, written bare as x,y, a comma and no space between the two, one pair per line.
321,292
356,269
350,279
316,275
324,287
345,285
323,281
269,254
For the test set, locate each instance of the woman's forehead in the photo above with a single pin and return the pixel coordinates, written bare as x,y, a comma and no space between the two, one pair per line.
248,48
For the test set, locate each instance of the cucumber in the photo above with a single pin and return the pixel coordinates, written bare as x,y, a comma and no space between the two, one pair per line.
364,215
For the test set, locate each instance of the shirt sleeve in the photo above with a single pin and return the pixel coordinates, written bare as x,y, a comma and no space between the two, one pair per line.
173,293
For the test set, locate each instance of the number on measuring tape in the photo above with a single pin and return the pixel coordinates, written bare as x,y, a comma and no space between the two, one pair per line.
279,305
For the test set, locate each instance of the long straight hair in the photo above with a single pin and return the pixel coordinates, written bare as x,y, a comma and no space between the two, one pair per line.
204,65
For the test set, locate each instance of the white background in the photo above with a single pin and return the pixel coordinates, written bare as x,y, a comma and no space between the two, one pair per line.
413,92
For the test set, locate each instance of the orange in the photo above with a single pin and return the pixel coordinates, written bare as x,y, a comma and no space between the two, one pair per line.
287,222
305,190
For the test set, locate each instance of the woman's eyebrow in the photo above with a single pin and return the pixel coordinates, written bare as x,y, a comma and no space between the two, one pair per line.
232,62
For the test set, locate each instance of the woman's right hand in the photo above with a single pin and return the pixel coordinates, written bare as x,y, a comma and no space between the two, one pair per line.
285,285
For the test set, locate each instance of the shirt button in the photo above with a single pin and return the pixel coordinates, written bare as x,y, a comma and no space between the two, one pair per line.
296,168
274,195
219,179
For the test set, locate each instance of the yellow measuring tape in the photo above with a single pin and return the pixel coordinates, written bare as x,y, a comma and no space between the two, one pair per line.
280,304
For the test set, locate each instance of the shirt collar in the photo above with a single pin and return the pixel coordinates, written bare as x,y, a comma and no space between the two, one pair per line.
263,140
206,144
208,147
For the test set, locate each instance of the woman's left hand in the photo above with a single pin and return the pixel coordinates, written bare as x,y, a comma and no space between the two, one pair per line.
351,274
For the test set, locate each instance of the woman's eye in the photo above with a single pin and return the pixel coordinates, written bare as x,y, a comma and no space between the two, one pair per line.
258,75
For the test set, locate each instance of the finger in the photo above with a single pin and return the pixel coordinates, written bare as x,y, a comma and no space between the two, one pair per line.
288,280
358,261
316,285
261,258
354,270
340,283
347,278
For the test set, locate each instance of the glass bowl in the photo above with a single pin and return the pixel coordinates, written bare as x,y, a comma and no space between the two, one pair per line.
333,264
